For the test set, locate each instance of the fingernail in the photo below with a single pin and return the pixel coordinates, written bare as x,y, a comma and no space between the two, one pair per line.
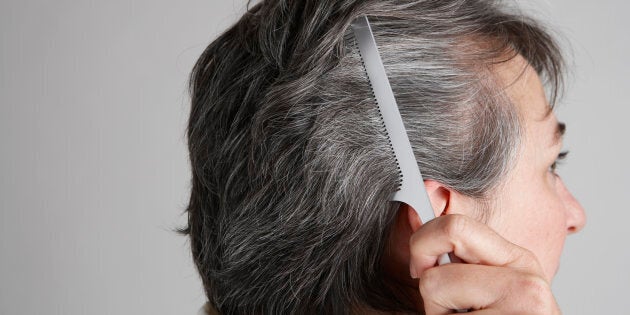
412,271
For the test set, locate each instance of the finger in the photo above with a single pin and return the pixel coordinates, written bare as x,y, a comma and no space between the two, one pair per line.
471,241
485,289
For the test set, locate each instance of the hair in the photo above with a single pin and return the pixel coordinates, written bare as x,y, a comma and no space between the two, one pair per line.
291,169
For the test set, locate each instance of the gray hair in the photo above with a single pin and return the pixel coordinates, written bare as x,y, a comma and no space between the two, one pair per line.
289,209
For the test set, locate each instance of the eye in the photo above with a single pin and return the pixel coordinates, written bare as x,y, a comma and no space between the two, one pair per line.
558,161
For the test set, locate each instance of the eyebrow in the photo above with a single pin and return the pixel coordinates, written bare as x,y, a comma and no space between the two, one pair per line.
559,133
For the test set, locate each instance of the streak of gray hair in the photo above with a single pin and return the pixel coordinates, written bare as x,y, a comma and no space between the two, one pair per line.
289,209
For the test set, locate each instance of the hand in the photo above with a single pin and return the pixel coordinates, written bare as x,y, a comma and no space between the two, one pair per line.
497,277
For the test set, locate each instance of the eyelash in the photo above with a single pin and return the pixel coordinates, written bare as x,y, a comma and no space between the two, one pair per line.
561,156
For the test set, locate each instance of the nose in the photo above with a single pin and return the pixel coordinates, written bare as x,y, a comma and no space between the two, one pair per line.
576,218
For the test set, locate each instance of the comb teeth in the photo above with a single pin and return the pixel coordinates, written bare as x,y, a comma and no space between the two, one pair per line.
380,115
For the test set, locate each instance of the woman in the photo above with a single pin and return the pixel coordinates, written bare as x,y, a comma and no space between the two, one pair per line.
289,210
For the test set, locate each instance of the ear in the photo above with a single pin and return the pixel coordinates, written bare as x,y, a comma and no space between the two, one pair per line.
444,200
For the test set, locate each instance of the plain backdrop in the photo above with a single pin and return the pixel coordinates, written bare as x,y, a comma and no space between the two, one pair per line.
94,175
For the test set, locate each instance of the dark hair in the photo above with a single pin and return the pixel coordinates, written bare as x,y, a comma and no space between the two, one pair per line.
291,172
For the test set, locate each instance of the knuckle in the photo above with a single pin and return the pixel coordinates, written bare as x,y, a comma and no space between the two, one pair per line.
537,294
533,284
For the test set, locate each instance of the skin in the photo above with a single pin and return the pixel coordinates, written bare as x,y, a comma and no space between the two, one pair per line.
509,260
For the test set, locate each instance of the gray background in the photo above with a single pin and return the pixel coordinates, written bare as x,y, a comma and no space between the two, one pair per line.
94,173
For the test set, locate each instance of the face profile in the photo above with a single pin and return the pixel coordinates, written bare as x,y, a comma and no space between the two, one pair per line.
534,203
293,170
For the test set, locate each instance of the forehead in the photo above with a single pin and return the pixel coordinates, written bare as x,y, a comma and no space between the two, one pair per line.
524,88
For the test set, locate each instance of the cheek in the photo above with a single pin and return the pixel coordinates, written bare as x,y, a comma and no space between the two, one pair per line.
534,220
547,241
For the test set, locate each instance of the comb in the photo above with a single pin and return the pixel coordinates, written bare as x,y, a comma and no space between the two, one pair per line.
411,190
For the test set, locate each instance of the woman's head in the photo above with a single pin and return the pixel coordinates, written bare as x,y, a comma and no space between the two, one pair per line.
292,174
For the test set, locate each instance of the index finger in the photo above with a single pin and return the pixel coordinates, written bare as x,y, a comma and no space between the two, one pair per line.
471,241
